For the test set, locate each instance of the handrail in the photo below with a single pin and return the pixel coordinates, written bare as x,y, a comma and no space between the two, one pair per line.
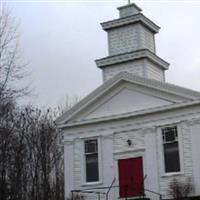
153,192
144,177
110,188
142,186
88,190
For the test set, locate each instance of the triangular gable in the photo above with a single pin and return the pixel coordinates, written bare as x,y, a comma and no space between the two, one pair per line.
157,93
124,101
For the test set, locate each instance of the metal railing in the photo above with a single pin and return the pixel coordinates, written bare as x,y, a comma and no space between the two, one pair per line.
142,192
107,193
153,192
150,191
98,192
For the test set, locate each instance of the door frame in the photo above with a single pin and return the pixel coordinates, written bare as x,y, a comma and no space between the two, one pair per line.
127,155
127,162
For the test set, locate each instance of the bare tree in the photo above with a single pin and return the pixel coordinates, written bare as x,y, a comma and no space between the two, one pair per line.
67,102
46,156
12,68
31,166
11,71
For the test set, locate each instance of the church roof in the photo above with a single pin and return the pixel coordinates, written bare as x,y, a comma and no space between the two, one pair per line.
193,97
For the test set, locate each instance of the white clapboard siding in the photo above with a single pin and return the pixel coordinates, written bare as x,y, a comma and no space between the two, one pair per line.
146,39
123,39
154,72
185,150
134,67
120,140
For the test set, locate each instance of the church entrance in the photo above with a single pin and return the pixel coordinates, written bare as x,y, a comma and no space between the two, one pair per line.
131,177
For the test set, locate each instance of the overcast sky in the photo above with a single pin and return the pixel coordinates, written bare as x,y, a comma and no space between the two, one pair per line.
61,40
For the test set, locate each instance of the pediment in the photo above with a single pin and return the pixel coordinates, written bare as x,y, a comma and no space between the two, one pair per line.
124,99
126,93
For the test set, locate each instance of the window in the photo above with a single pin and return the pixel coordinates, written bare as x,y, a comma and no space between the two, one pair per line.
171,149
91,160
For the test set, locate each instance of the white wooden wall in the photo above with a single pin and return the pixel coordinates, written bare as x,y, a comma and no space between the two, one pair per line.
145,133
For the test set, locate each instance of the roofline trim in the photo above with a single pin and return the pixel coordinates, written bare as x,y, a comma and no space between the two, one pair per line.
132,114
124,76
130,56
131,20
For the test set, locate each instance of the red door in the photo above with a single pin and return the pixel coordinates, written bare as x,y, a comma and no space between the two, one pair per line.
130,177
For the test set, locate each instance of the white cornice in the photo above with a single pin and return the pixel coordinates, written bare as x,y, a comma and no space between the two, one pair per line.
132,114
131,20
194,121
130,56
124,76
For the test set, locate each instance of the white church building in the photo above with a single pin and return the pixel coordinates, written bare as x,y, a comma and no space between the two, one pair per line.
135,133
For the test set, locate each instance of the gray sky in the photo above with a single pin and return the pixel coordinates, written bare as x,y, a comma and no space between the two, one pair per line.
62,39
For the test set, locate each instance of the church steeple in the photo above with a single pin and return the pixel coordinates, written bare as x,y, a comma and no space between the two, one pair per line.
131,46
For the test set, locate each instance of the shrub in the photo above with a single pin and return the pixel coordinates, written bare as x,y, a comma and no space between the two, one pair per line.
180,190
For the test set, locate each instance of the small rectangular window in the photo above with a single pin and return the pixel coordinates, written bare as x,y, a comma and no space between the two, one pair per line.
91,160
171,149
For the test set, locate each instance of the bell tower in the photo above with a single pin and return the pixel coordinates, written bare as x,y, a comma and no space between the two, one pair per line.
131,46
